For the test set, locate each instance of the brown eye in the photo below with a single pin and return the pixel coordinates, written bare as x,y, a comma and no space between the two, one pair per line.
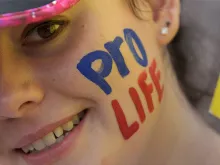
43,33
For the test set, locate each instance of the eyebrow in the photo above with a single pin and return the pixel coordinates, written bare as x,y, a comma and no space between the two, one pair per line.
57,17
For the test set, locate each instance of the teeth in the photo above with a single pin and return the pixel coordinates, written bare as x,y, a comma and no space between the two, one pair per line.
31,148
28,148
25,149
76,120
59,139
39,145
49,139
68,126
81,115
58,132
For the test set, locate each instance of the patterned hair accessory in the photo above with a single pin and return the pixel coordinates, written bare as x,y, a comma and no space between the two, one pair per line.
36,14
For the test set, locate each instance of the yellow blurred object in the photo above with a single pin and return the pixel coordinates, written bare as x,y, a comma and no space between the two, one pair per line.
215,106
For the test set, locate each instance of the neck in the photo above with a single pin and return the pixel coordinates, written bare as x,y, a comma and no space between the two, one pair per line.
181,137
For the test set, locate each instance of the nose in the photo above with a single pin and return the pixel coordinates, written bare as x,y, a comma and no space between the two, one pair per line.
19,91
17,102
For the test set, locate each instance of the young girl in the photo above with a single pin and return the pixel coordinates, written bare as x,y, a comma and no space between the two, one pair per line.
90,83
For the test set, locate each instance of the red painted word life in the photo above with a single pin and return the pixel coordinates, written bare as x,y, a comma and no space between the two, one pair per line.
147,90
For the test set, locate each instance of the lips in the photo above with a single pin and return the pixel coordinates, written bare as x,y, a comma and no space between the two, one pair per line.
47,154
30,138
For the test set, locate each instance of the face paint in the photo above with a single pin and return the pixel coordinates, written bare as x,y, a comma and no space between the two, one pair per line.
114,50
138,105
156,78
130,35
113,54
147,90
107,58
126,130
215,107
85,67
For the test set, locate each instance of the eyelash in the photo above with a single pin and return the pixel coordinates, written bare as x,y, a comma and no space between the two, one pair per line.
35,28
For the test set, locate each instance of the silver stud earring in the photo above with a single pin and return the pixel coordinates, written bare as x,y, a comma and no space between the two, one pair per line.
165,29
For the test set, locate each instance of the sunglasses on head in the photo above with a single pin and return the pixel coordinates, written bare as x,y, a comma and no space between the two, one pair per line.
17,12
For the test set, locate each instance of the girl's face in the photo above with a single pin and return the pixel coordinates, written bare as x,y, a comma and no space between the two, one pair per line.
95,71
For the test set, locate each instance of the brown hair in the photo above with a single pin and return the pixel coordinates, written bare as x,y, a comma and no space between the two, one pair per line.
134,5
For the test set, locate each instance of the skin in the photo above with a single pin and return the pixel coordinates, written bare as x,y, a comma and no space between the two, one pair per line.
198,69
41,85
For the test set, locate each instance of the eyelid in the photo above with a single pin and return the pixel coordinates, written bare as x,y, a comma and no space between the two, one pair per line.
39,43
29,28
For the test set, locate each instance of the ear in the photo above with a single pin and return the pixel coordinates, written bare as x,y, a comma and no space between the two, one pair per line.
166,14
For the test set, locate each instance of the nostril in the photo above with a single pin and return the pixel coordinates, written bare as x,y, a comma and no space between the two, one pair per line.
26,104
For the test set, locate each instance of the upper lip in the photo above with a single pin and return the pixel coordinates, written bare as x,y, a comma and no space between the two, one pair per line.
37,134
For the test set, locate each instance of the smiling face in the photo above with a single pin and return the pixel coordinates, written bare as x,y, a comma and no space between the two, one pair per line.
89,72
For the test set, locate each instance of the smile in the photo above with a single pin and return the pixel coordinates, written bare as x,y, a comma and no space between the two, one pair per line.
53,140
54,137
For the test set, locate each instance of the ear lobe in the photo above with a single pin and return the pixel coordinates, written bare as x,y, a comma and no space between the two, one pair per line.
165,11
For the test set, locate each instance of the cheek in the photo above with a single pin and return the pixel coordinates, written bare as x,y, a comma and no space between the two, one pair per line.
145,95
124,81
133,85
58,71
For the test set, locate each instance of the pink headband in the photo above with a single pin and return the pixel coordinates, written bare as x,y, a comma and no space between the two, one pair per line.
36,14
